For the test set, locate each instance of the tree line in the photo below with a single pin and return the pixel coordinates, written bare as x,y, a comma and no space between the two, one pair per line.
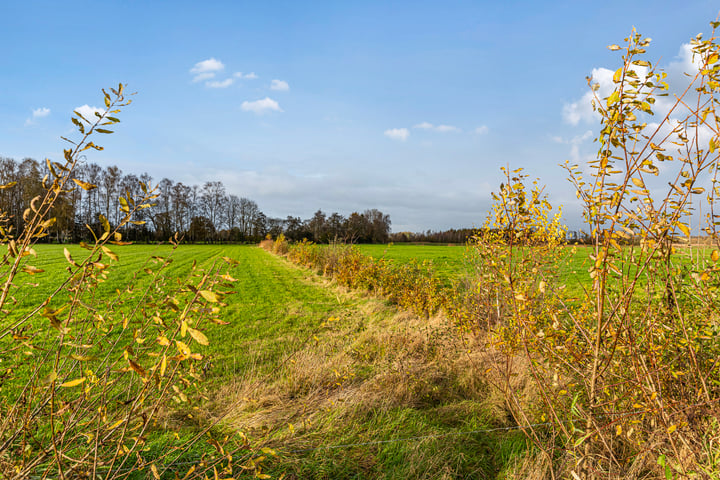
199,213
453,235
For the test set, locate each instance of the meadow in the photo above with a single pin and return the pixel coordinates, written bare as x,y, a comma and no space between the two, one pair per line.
454,263
337,384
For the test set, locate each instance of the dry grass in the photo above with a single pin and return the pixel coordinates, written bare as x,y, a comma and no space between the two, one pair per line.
368,361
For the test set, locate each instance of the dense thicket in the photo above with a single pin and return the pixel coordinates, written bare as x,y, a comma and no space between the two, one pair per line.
204,213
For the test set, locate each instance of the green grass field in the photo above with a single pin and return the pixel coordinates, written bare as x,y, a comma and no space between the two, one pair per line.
304,367
453,263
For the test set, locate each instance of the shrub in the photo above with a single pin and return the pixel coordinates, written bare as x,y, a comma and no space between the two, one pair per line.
627,375
87,373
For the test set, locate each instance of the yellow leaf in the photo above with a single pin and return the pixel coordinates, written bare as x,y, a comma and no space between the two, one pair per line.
198,336
671,428
52,376
68,257
162,340
116,424
182,347
154,471
110,253
638,182
209,296
81,358
613,98
618,430
613,47
32,270
684,228
73,383
84,185
715,255
183,328
105,223
163,366
618,75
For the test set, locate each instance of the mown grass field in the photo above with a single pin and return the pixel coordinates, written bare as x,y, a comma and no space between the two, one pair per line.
340,385
453,263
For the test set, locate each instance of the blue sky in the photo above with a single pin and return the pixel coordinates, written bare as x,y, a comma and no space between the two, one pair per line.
408,107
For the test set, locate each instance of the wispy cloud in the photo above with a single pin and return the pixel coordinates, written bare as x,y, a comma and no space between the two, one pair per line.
280,85
401,134
248,76
447,128
482,130
37,113
220,84
438,128
206,69
260,107
41,112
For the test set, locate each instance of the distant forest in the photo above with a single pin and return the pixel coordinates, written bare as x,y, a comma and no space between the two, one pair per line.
200,213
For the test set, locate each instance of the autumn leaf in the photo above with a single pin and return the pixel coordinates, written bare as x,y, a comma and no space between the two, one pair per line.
73,383
209,296
198,336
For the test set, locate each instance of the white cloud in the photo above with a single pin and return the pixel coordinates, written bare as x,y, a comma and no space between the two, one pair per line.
220,84
259,107
206,69
482,130
439,128
447,128
397,133
41,112
582,110
249,76
37,113
89,112
576,140
203,76
279,85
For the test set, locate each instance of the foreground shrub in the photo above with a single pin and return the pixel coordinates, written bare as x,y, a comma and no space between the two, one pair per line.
87,372
627,374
